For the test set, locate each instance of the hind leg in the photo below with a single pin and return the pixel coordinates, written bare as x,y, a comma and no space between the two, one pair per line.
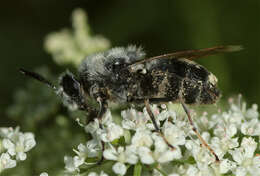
197,133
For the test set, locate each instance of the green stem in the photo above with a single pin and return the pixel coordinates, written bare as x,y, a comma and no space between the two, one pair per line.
85,171
138,169
162,172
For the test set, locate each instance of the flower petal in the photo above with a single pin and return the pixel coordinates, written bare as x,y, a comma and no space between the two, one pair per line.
119,168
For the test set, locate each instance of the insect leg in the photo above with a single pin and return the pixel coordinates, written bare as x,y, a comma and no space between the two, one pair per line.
197,133
102,111
102,108
148,108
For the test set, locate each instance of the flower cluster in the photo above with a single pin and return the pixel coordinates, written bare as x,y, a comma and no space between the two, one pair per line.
13,146
71,46
233,135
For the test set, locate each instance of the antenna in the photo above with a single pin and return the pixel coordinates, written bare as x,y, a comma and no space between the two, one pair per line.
37,77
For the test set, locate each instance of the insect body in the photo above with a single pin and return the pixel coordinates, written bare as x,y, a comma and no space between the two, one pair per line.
114,76
124,75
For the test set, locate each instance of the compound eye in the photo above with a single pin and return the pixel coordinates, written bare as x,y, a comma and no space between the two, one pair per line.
70,85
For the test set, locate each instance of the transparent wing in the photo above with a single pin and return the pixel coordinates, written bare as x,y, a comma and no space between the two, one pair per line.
193,54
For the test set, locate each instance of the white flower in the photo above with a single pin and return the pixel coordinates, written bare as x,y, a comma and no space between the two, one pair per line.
204,123
252,113
111,132
71,46
156,112
173,134
17,143
44,174
226,130
142,137
119,168
166,114
251,128
226,165
200,153
244,157
107,118
91,149
222,145
6,162
92,174
25,143
102,173
8,132
221,131
133,119
168,155
185,170
146,155
10,146
192,171
162,153
249,145
72,163
233,116
92,127
122,156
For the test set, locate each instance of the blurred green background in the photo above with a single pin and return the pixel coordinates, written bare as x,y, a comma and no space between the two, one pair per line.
159,26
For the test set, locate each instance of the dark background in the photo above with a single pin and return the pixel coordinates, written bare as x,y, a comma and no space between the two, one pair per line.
159,26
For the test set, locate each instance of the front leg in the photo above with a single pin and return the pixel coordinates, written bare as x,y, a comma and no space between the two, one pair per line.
100,95
102,108
92,114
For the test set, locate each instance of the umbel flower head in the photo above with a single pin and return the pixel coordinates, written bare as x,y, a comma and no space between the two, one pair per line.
71,46
132,143
13,146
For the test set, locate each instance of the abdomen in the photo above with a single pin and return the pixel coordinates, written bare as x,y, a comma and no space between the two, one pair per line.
176,80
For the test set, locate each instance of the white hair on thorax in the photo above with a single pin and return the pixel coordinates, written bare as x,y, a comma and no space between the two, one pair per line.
94,66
